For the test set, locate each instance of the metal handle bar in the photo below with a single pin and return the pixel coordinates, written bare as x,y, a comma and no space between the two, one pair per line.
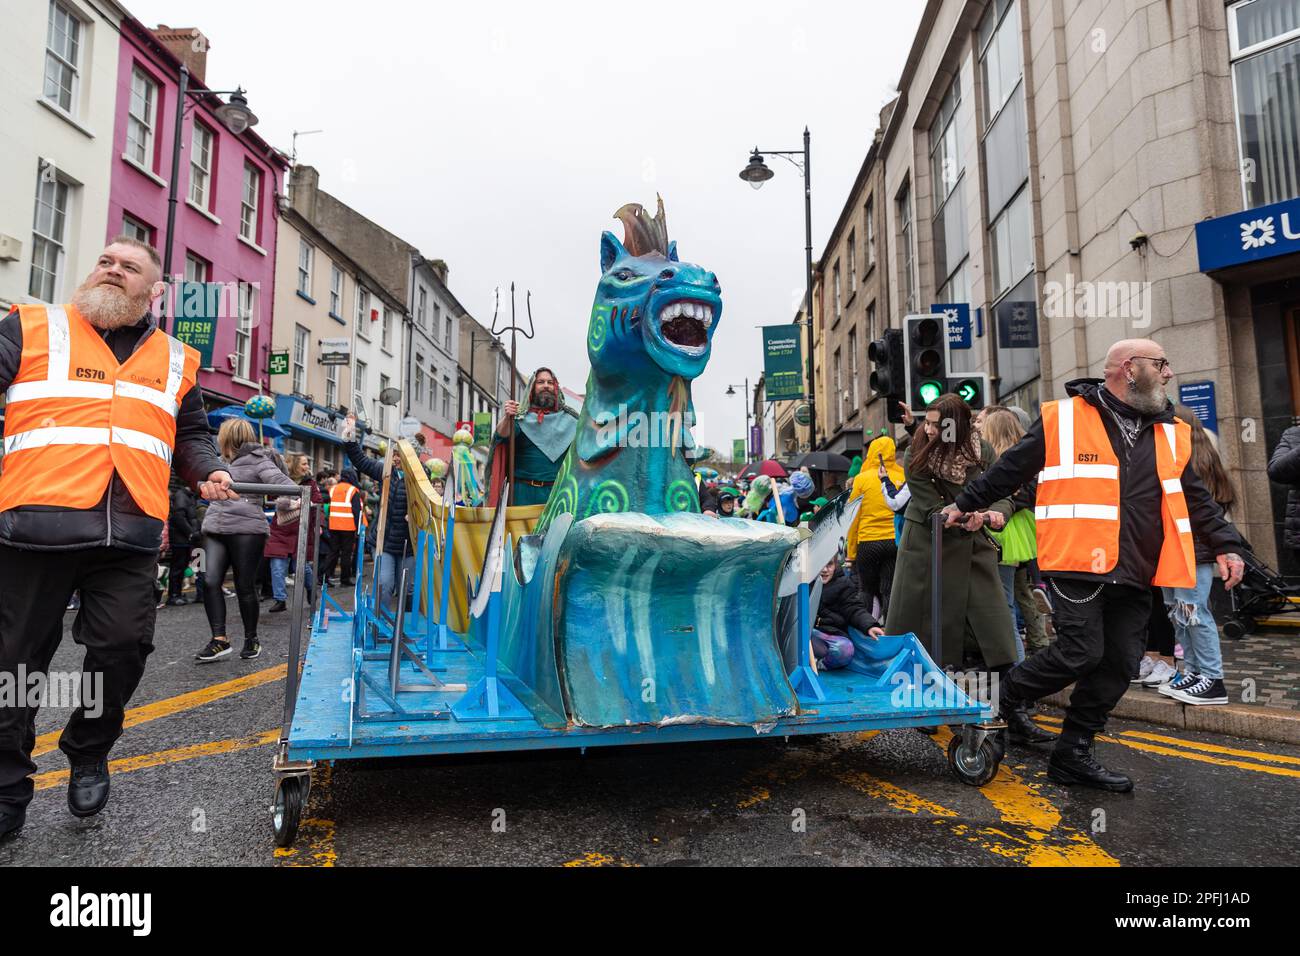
253,488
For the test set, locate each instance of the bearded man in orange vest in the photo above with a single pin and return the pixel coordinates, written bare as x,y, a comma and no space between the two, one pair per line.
1118,511
101,404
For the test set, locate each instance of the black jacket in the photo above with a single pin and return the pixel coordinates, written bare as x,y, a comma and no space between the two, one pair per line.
395,533
116,521
1141,533
841,607
183,519
1284,468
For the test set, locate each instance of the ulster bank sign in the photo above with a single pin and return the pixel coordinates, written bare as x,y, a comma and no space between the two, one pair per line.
1260,233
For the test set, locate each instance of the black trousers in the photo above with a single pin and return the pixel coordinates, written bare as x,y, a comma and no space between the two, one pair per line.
1098,647
342,553
180,560
875,566
243,554
114,624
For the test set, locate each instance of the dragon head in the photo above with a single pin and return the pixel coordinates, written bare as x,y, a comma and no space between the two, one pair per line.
651,307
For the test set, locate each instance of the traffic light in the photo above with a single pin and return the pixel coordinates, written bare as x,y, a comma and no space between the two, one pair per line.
972,388
887,379
926,345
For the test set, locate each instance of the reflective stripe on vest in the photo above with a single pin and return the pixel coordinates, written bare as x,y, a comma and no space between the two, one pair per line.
341,517
1077,509
75,416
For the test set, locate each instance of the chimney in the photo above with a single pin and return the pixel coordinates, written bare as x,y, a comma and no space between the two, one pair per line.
302,190
188,45
439,266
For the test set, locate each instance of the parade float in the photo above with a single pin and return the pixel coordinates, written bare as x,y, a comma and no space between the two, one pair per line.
616,613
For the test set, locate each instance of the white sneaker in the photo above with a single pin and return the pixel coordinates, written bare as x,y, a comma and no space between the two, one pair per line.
1161,673
1144,671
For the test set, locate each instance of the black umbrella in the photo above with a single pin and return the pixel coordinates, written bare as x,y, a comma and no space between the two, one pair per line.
823,461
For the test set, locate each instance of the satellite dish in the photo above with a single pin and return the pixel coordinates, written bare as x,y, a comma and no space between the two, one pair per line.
390,396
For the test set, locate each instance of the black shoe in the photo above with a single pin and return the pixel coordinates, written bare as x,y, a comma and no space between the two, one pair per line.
177,602
88,788
277,607
11,822
1075,764
1022,730
214,651
252,648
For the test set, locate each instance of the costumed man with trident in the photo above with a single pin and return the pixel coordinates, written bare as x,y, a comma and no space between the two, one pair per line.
542,433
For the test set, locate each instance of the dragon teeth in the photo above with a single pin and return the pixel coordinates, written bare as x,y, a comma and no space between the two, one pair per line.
698,311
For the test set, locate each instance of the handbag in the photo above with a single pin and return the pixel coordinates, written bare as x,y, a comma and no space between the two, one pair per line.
1018,538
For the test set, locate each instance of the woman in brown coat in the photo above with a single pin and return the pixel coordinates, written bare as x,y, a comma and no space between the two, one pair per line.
977,627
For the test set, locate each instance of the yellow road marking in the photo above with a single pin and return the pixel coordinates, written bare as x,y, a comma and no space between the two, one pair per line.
45,743
896,797
598,859
44,781
1015,801
1130,738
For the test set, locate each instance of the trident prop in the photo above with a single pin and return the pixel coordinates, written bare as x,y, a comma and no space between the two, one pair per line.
515,331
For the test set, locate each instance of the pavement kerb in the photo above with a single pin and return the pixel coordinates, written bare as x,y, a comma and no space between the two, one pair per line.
1234,720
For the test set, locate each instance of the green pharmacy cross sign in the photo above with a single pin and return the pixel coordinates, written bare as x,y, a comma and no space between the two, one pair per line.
278,364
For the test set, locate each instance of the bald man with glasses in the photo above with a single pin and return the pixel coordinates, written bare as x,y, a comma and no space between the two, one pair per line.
1118,505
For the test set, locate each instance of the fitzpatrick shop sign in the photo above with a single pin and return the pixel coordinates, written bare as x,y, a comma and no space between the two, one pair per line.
1260,233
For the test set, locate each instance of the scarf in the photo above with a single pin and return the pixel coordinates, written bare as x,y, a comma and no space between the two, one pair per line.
954,469
1129,426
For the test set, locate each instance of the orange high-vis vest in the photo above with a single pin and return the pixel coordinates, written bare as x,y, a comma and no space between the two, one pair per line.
1077,510
341,517
74,415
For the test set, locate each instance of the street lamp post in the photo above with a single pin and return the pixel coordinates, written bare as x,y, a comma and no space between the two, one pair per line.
234,116
731,390
756,174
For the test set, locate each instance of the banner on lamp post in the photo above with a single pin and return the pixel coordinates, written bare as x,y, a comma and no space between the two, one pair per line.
782,362
738,450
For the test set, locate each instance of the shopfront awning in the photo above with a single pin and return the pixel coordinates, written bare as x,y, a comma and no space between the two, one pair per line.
308,420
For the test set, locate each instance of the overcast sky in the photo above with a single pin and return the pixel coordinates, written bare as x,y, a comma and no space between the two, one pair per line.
502,137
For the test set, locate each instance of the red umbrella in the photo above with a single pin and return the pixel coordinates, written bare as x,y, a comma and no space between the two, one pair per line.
770,467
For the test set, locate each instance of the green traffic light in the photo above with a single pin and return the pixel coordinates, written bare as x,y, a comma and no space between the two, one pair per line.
968,392
930,392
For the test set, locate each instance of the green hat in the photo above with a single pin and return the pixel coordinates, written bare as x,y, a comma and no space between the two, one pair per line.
819,502
855,466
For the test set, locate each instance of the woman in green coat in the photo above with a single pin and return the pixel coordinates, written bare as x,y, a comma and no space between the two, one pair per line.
945,455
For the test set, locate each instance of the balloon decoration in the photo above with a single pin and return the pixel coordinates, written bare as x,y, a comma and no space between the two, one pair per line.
437,469
257,408
467,486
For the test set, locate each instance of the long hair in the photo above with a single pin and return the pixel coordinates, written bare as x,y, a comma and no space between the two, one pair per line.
931,455
1001,429
1206,461
233,434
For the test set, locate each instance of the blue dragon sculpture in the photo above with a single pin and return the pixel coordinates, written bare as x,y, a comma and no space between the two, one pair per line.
650,335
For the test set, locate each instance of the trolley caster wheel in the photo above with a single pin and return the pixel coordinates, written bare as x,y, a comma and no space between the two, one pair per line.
973,768
1236,629
286,812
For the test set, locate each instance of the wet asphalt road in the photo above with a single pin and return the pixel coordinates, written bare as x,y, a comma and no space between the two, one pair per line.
194,787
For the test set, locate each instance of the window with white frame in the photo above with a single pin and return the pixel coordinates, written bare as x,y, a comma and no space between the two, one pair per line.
49,227
853,262
381,410
331,385
386,331
853,371
869,232
62,57
359,386
838,378
306,259
909,254
1012,244
422,308
1264,36
871,322
336,290
201,166
136,229
141,117
250,201
446,396
419,378
446,344
244,330
300,335
835,272
197,269
363,312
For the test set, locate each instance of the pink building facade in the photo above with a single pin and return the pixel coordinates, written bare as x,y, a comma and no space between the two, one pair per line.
227,200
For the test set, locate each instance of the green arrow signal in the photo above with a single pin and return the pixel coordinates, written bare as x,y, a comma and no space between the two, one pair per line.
968,391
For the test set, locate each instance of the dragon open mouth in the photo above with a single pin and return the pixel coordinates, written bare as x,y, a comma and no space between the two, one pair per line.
686,324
